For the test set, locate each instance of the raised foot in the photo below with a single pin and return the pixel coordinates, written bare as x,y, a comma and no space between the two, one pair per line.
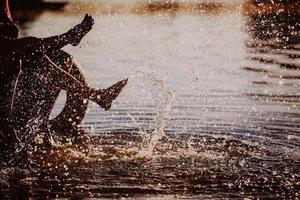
79,31
106,97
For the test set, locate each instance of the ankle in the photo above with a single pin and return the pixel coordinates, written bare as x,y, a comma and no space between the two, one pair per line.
96,95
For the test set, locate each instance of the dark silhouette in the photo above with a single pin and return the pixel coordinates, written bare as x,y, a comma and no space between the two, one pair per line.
30,79
37,4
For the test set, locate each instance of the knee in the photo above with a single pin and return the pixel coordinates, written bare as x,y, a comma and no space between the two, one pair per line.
61,59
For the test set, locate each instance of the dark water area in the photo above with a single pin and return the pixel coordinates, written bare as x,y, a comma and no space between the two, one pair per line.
211,109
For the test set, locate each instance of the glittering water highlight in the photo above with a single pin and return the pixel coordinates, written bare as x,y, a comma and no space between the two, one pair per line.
211,109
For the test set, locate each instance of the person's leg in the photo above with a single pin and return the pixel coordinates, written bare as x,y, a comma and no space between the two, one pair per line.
35,96
50,91
37,90
8,140
67,121
54,71
33,100
63,80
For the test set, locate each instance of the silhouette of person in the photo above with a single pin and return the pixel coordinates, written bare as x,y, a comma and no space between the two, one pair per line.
30,54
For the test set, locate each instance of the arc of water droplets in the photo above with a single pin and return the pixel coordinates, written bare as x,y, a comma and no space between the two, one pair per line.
150,140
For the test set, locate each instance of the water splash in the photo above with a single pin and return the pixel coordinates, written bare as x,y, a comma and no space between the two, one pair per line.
163,97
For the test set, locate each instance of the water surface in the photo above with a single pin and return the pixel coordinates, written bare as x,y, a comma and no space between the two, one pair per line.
211,109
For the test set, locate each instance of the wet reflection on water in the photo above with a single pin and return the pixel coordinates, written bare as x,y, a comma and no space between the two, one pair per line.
209,167
273,54
210,111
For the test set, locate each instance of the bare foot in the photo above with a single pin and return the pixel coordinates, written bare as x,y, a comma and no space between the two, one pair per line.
79,31
106,96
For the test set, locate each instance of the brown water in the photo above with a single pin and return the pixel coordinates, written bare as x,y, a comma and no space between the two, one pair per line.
211,109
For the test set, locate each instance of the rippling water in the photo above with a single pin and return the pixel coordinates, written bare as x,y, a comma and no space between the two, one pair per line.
211,109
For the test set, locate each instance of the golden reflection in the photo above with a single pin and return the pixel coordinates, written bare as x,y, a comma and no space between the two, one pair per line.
273,45
277,24
23,14
176,7
266,6
150,7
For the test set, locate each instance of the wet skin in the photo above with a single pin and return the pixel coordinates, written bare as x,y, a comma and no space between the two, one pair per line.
18,53
27,54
